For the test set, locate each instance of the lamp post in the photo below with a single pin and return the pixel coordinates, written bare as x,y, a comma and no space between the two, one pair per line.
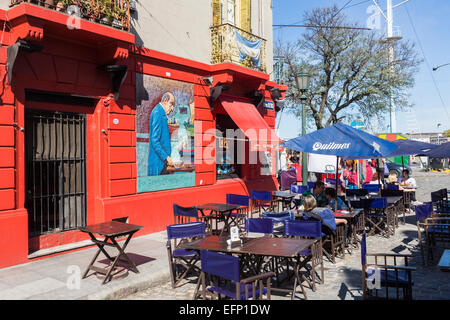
302,79
442,65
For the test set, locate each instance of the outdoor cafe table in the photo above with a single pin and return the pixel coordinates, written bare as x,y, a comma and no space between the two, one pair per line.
285,198
220,212
111,231
260,247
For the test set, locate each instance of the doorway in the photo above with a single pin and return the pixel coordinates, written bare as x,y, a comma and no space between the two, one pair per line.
55,171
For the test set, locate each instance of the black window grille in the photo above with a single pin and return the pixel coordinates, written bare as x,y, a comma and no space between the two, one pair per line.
55,155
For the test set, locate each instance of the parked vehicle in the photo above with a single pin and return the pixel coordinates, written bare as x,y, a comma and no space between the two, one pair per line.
397,168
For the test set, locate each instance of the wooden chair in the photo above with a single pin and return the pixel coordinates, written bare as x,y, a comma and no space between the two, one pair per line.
221,276
384,273
262,201
308,229
182,261
333,245
433,233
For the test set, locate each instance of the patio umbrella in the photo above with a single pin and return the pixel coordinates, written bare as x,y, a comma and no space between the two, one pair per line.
342,140
410,147
442,151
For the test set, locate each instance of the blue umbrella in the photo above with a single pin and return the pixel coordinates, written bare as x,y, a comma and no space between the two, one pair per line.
443,151
343,141
408,147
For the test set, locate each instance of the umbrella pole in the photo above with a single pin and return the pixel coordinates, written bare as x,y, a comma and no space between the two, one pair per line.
336,180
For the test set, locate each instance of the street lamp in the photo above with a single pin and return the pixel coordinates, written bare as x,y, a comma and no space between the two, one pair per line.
442,65
302,79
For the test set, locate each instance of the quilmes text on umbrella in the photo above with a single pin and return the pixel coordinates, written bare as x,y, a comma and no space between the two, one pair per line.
330,146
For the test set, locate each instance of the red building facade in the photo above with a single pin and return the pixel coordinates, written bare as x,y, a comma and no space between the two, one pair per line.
66,74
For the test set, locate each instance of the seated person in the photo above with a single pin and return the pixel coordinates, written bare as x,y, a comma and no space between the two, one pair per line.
317,193
392,179
324,215
331,196
406,181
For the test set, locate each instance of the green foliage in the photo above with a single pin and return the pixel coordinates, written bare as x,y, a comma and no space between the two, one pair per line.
447,133
351,74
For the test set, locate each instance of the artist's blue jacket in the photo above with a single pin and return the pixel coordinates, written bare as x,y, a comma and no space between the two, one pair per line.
159,141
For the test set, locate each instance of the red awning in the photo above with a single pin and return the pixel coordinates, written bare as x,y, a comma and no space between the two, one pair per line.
252,124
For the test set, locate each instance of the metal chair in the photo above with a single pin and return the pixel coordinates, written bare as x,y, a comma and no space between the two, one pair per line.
181,258
376,276
262,201
308,229
217,266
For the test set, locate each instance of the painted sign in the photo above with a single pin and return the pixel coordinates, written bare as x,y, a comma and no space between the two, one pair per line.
164,134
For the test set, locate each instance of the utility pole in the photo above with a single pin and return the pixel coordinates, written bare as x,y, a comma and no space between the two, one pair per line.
391,39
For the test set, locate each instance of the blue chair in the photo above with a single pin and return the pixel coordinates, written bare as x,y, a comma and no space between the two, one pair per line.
423,211
184,214
389,275
262,201
227,268
379,217
298,189
372,188
436,233
181,258
308,229
391,186
239,216
278,217
259,225
356,192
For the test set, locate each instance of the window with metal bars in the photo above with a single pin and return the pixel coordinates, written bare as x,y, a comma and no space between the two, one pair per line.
55,171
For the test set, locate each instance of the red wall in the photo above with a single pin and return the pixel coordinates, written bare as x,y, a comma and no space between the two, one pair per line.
73,67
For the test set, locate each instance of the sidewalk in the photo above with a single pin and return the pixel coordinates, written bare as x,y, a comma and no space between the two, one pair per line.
55,278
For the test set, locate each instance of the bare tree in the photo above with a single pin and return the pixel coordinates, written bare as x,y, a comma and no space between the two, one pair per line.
351,75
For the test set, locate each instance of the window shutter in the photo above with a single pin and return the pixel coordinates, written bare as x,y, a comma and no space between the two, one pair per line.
245,15
217,14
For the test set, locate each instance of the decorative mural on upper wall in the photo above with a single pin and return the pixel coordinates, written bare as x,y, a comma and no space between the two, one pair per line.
164,133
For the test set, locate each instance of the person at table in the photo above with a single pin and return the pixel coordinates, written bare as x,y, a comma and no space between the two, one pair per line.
324,215
408,183
318,193
392,179
330,194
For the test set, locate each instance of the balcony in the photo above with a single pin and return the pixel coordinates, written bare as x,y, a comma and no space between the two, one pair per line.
114,13
225,47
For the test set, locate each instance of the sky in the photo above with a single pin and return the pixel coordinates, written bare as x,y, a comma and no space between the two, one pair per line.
427,25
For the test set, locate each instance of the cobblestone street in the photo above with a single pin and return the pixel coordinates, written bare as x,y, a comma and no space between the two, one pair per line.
343,279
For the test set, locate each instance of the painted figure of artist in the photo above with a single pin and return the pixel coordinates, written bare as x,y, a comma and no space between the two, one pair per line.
159,136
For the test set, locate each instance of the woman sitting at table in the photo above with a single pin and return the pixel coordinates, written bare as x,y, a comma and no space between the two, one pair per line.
324,215
330,194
